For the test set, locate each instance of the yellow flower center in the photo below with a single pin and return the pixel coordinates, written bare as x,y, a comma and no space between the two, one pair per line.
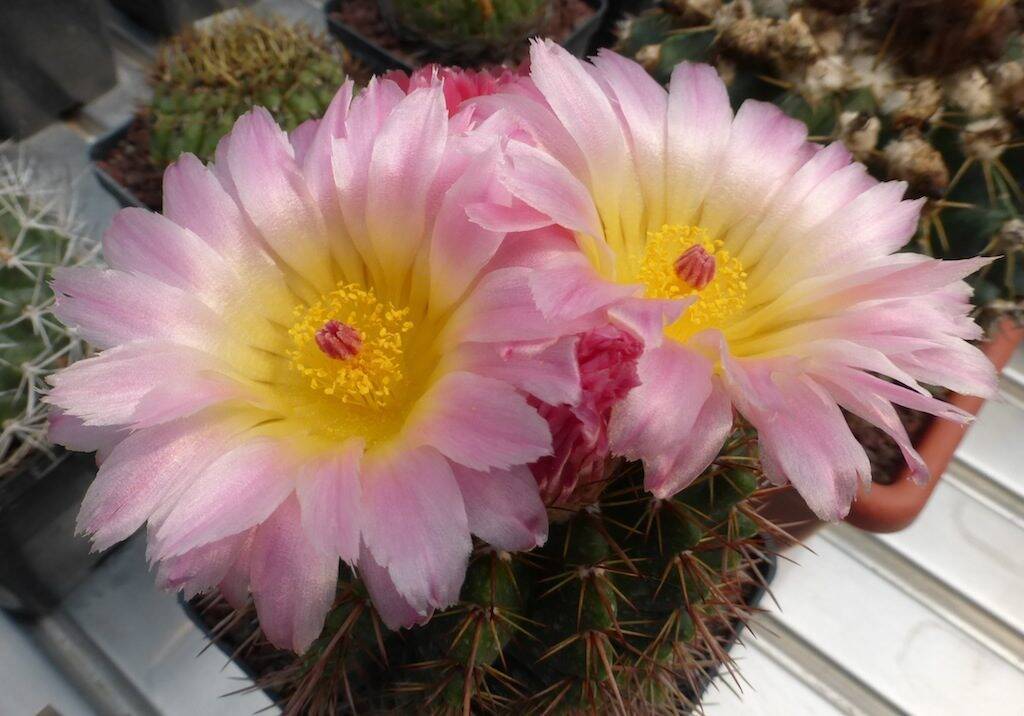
670,268
349,346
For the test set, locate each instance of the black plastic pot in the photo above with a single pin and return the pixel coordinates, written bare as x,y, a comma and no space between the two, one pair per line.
100,150
167,17
42,559
579,42
54,56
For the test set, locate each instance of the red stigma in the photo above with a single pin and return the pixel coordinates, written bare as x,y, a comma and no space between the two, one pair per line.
339,340
695,267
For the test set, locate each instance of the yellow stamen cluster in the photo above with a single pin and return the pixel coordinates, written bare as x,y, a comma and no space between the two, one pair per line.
722,298
368,378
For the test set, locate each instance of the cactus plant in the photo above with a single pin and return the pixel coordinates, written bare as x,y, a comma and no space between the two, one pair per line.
38,233
935,102
205,79
467,32
628,608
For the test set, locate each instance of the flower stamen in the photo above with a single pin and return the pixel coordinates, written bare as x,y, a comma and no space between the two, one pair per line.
338,340
349,345
695,267
680,261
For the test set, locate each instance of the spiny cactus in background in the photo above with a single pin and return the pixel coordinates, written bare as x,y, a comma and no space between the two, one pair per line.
628,608
205,79
467,32
930,92
38,233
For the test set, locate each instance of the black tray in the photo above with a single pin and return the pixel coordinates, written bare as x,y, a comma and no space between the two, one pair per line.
100,150
380,60
41,558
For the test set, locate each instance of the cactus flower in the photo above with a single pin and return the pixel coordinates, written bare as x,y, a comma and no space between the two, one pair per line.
305,359
762,272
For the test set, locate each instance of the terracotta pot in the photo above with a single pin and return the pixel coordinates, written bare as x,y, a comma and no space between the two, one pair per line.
890,508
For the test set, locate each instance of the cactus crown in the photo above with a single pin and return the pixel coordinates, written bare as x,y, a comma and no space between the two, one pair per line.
38,233
628,608
467,31
868,73
205,79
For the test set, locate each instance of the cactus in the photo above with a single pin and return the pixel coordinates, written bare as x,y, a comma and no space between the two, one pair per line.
205,79
887,79
38,232
467,32
628,608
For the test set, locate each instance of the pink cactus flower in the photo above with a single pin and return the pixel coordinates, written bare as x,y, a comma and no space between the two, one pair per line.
305,359
459,85
761,271
574,474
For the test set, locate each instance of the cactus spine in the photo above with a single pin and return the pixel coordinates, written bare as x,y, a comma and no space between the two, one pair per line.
38,233
205,79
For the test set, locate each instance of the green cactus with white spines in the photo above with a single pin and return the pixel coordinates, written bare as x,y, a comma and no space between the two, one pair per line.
205,79
952,129
38,233
628,608
467,32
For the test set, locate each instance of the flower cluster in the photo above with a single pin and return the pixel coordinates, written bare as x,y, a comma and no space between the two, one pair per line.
456,297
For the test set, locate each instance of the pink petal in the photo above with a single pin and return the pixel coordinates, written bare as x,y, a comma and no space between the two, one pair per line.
146,391
541,124
203,568
270,189
643,104
234,587
548,187
501,308
879,412
145,470
697,122
394,610
546,369
479,422
758,232
459,247
195,200
764,150
72,433
111,307
318,170
140,241
406,156
803,435
236,491
330,497
293,582
647,318
570,288
415,525
676,420
503,507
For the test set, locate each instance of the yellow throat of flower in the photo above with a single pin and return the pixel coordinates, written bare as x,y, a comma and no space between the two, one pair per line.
680,261
349,346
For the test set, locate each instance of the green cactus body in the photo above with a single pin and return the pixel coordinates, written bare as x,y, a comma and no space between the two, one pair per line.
205,79
468,32
626,609
38,233
953,132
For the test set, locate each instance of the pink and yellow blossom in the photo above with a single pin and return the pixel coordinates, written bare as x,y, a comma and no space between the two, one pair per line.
763,272
305,359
